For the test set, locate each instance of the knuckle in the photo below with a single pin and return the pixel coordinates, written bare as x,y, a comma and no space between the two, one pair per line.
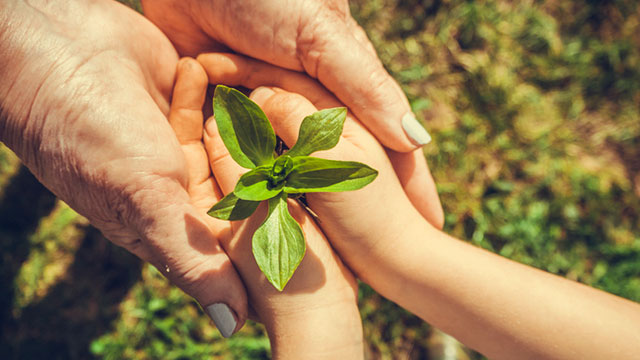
192,276
315,35
219,158
285,100
378,81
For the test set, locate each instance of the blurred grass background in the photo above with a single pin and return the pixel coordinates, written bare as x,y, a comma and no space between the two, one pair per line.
533,107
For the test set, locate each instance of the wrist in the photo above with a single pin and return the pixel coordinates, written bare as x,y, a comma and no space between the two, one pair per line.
329,332
392,259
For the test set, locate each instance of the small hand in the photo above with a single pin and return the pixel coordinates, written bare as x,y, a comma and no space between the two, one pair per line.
318,306
354,221
318,37
410,168
84,99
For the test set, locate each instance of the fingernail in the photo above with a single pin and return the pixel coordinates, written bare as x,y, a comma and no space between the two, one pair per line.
223,317
261,94
414,130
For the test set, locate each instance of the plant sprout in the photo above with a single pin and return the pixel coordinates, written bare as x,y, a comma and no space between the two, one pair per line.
278,244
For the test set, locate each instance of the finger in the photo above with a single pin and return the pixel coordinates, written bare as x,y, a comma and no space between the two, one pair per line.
185,116
187,36
225,170
361,36
182,246
285,110
189,92
418,184
186,119
180,243
237,70
360,81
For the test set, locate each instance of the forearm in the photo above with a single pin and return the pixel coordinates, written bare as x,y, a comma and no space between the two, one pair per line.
502,308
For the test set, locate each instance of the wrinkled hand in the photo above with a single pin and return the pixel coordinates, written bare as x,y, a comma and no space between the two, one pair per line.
84,99
318,37
318,307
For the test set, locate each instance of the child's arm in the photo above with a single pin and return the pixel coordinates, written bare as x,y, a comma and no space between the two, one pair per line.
316,316
502,308
499,307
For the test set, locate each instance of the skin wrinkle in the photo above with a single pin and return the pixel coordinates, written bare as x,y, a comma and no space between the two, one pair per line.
13,56
52,52
159,96
7,27
317,48
141,224
62,17
212,7
60,146
306,42
92,125
292,309
278,39
120,198
193,274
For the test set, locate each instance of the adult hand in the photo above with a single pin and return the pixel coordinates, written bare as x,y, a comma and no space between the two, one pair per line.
318,37
85,97
316,315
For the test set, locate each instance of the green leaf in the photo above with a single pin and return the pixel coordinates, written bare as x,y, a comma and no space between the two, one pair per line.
257,185
319,131
281,169
233,208
310,174
278,244
244,128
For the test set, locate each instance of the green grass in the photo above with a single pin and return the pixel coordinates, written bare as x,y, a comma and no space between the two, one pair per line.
533,110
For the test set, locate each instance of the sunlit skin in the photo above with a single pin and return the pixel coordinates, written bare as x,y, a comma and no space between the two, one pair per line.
303,35
501,308
322,293
84,100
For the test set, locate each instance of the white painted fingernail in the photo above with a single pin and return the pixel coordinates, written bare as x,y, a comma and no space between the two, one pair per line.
414,130
223,317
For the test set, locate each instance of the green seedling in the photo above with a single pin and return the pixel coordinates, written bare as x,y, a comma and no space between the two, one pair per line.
278,244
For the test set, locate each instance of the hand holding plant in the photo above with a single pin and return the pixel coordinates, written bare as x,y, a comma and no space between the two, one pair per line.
84,104
278,244
356,222
482,299
318,306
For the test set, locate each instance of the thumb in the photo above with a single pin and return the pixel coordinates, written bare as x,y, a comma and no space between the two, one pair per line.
344,63
180,244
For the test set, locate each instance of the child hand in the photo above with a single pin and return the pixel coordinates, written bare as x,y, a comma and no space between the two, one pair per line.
316,315
499,307
362,225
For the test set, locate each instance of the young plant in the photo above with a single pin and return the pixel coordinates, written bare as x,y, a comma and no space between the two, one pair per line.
278,244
